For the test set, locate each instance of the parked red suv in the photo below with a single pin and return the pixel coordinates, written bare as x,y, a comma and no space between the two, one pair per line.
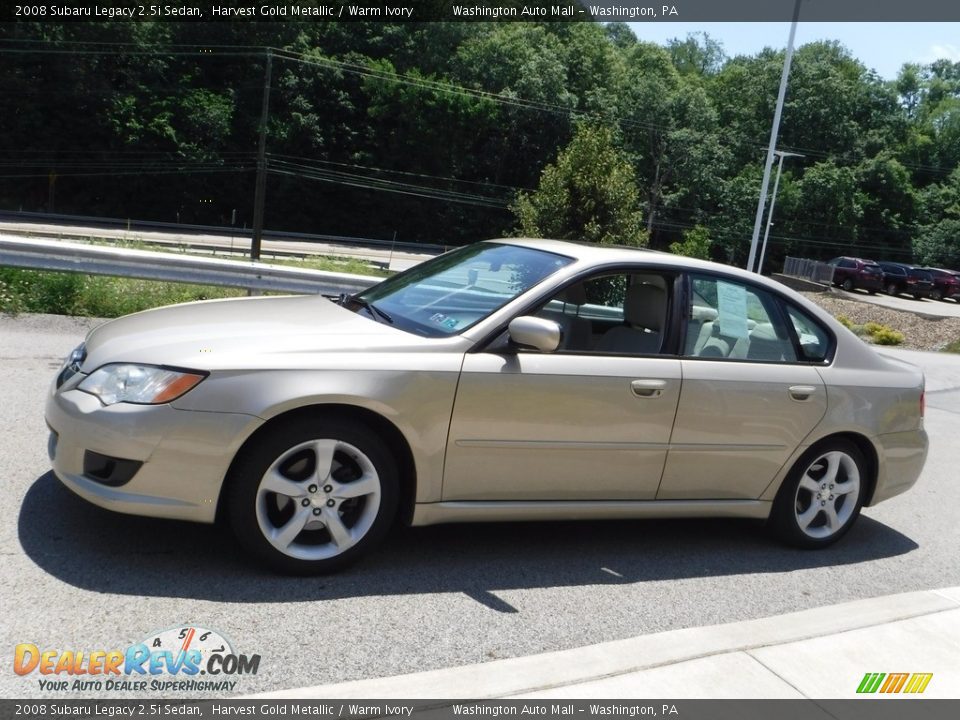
946,284
855,273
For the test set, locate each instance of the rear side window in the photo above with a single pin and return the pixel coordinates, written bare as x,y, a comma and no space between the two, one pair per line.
727,319
814,339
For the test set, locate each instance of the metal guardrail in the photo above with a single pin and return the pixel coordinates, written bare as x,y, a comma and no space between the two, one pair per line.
808,270
145,225
147,265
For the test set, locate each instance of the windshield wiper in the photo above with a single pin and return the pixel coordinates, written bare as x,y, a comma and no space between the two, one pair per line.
366,305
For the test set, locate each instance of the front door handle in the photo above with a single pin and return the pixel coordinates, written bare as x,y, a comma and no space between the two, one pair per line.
648,388
802,393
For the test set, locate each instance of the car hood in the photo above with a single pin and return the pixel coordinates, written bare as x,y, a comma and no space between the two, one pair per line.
242,333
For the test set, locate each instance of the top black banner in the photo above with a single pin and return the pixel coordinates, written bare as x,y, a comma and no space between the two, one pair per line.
483,10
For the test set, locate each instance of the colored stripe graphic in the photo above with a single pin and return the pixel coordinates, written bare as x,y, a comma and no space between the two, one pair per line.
895,682
870,682
918,683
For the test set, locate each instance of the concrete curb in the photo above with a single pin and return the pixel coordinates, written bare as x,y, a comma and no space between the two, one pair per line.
515,676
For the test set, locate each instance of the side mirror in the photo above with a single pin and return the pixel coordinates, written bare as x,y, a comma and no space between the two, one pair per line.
536,333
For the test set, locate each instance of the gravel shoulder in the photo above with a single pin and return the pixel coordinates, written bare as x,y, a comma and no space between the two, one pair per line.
921,332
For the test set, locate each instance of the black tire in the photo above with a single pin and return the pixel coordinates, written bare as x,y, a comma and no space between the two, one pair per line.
356,456
872,292
795,504
891,289
936,295
847,285
917,297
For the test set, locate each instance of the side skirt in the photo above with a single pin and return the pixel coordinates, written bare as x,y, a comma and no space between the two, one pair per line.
508,511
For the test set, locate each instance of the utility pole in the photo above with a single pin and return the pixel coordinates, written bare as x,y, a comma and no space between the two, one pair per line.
261,190
774,131
773,201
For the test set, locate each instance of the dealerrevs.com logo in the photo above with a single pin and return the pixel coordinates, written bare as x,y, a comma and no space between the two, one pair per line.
187,658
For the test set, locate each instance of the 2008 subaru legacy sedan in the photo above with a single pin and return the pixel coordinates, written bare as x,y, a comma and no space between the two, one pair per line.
506,380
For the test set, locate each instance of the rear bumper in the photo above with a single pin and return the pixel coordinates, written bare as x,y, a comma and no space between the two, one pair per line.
901,459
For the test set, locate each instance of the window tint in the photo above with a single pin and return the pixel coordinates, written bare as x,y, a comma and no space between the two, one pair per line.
727,319
613,314
452,292
814,340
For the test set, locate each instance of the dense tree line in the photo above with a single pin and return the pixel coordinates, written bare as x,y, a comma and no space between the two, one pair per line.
450,133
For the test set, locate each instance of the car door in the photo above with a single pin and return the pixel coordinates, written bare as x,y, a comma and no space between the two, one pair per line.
591,421
747,401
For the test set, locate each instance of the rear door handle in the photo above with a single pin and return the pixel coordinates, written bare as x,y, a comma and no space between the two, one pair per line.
648,388
802,393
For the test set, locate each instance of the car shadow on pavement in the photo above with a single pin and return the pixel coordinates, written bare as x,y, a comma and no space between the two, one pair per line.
102,551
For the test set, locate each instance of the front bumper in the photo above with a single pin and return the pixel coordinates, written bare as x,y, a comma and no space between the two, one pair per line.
185,454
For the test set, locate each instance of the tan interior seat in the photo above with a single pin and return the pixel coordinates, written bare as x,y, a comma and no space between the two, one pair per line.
644,312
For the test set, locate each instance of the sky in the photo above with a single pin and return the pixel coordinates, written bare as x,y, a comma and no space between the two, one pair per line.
883,47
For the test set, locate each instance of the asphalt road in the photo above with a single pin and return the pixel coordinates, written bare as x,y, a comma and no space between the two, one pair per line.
79,578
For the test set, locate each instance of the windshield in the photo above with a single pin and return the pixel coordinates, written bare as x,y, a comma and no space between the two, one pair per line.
448,294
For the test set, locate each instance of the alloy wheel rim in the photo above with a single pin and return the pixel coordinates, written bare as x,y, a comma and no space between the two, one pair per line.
318,499
827,494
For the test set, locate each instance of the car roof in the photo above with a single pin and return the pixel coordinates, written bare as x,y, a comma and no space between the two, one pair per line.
589,253
592,254
905,266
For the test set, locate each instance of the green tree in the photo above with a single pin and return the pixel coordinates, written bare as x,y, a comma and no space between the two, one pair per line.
696,243
937,241
939,244
699,54
588,194
830,211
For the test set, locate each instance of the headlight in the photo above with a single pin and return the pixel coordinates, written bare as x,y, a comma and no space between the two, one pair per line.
71,366
139,384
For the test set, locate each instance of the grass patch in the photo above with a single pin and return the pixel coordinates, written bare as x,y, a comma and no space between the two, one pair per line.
94,295
953,347
57,293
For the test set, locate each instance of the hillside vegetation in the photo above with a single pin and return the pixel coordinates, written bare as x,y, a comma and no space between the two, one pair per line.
455,132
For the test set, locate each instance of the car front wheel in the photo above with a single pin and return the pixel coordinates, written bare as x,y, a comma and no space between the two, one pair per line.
822,496
312,495
847,285
891,289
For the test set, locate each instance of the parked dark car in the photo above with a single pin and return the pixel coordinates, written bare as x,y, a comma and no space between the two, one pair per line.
903,279
852,273
946,284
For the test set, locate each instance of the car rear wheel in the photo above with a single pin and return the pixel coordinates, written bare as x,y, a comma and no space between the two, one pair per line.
313,495
936,295
891,289
822,496
847,285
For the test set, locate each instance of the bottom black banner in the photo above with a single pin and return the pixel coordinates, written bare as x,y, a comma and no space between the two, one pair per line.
893,708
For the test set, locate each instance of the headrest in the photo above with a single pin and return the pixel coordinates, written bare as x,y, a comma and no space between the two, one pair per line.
575,295
645,306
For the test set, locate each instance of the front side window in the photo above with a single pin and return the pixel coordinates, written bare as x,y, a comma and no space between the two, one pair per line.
729,320
450,293
614,314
